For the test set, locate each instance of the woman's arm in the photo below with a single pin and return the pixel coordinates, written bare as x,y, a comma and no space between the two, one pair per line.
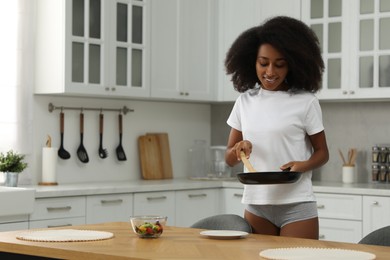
235,146
319,157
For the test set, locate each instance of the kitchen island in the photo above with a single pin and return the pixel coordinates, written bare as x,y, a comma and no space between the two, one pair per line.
175,243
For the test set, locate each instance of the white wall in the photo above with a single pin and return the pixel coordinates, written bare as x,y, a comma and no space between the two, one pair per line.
183,122
347,125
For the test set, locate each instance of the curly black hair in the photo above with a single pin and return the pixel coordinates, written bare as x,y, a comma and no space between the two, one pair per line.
293,39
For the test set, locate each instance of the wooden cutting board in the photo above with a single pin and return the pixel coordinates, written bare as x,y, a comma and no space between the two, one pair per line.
155,156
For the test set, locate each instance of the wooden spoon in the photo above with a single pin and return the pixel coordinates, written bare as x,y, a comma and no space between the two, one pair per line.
246,162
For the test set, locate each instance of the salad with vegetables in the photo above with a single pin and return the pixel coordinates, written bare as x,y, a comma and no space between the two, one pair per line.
148,229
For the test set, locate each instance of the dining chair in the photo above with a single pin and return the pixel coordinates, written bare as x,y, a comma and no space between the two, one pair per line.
379,237
224,222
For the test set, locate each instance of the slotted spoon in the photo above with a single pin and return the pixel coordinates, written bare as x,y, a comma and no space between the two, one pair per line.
102,152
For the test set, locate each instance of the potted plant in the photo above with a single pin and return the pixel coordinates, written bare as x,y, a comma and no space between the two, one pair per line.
12,163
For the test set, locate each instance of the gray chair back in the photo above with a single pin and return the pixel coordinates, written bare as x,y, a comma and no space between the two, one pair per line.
224,222
379,237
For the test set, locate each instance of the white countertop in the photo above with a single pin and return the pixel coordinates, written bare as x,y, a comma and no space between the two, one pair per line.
80,189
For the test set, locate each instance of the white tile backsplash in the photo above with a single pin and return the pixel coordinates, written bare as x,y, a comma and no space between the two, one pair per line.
347,125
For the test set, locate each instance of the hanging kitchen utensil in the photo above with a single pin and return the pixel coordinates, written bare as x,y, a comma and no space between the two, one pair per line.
120,153
102,152
272,177
62,153
81,151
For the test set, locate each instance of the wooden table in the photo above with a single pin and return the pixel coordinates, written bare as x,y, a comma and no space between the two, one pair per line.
175,243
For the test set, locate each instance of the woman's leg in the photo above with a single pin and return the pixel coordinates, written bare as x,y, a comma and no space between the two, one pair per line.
261,225
303,229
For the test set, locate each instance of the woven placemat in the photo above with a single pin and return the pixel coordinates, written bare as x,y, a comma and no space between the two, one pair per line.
315,253
64,235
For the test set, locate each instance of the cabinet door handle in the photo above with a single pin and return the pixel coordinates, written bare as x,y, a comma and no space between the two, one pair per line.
321,236
197,195
63,225
157,198
320,206
375,203
66,208
239,195
111,201
345,92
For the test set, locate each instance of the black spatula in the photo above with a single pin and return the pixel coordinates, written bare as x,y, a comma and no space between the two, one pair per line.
120,153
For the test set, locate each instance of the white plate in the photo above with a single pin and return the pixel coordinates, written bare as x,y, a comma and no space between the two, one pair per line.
315,253
224,234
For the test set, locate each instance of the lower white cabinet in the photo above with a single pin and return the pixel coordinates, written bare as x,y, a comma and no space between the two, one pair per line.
55,212
13,226
340,217
376,213
60,222
109,208
231,201
349,231
156,203
193,205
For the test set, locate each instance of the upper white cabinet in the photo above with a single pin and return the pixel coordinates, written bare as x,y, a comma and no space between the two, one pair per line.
355,45
92,47
182,34
234,17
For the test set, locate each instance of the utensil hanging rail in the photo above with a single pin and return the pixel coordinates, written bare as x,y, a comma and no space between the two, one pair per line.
123,110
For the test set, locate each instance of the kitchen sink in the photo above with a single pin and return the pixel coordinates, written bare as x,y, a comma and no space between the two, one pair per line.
16,201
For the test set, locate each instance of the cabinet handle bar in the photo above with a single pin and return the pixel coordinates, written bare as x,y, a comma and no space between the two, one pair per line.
59,208
157,198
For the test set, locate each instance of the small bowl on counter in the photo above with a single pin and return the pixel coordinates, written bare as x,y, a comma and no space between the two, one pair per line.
150,226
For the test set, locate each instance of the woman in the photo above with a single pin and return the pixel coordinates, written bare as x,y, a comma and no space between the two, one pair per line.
277,122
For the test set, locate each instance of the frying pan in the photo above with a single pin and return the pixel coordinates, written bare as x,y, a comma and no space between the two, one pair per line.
272,177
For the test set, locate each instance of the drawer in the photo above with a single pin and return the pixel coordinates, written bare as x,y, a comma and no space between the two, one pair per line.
349,231
109,208
14,226
156,203
53,223
53,208
348,207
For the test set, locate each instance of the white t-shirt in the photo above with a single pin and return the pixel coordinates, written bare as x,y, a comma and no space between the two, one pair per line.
277,124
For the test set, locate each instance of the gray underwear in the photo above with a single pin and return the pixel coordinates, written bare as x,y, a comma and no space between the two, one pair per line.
281,215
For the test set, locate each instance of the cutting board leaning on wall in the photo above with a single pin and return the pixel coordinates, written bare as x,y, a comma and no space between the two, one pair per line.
155,156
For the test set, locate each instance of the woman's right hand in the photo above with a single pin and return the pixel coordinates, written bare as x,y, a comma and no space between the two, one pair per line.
235,145
245,146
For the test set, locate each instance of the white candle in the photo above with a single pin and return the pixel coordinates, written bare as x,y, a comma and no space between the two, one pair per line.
49,164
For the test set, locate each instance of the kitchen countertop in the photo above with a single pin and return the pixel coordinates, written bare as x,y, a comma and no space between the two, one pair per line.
99,188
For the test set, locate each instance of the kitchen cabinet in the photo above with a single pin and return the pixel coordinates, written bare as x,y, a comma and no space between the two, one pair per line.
376,213
233,18
340,217
355,45
160,203
182,36
55,212
109,208
92,47
231,201
193,205
14,226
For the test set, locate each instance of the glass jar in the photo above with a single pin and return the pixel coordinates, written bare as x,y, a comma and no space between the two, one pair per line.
375,172
375,154
197,160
